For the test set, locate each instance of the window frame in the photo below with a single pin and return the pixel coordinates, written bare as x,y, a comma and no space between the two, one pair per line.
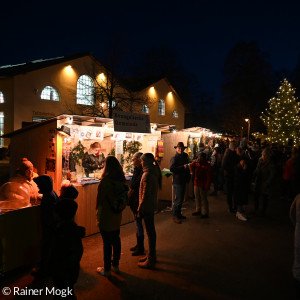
52,90
2,98
161,107
147,109
81,99
175,114
2,123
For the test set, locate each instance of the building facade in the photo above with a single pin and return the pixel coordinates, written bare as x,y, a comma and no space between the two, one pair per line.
78,84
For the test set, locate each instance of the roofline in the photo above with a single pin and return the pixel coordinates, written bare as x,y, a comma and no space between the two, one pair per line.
12,70
56,118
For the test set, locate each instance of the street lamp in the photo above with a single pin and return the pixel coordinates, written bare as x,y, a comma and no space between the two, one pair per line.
248,121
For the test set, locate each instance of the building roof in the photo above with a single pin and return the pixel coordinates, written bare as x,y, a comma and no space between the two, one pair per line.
12,70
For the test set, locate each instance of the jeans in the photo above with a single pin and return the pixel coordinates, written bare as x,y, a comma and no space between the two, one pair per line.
139,227
150,229
201,200
179,190
111,245
229,192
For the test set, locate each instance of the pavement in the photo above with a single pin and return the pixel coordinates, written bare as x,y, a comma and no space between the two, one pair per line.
215,258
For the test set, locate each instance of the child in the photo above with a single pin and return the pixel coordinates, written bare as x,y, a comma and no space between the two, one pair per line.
48,202
66,250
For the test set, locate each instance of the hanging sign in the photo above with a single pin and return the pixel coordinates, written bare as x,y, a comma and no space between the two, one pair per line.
131,122
119,147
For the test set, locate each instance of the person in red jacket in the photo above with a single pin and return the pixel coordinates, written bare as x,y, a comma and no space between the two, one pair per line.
202,171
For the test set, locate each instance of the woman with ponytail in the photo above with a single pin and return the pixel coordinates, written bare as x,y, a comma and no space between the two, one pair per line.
150,183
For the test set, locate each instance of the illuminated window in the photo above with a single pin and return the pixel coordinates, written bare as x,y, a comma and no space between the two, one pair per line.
1,127
85,90
114,103
175,114
38,119
161,107
1,97
50,93
145,109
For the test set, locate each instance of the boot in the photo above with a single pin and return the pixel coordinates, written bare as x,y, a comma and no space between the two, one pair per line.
149,263
133,248
140,250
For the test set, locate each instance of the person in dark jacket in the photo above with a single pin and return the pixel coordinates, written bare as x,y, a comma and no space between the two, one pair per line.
133,197
179,166
66,248
48,202
93,159
265,173
241,184
229,162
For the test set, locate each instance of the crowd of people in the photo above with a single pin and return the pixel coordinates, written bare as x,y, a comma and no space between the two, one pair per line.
237,169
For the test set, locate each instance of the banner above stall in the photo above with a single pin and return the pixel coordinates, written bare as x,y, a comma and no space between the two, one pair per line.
131,122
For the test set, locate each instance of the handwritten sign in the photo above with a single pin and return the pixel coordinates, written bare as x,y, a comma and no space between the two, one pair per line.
131,122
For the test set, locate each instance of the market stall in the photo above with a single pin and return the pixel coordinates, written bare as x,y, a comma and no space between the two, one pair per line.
57,147
191,137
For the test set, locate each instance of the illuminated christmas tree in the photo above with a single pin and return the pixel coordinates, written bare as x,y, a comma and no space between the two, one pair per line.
282,116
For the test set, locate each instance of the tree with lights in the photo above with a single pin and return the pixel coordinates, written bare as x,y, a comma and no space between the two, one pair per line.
282,117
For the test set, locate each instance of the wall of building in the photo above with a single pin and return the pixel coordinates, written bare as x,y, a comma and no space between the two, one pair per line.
163,90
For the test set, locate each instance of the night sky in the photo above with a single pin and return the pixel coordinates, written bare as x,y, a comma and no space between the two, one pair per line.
202,32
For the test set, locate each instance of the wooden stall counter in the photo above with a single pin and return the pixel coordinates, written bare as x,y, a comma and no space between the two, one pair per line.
20,234
86,213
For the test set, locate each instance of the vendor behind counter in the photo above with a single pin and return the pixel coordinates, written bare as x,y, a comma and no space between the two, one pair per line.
93,159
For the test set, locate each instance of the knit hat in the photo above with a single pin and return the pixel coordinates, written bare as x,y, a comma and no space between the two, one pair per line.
69,192
25,165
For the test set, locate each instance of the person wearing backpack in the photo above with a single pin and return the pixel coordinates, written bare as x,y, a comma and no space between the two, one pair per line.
112,185
150,182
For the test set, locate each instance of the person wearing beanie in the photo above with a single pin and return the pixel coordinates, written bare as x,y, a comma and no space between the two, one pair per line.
25,175
68,191
66,247
48,202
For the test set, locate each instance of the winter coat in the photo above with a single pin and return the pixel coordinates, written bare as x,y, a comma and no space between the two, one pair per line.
30,186
148,189
230,159
106,218
265,174
181,175
90,162
241,185
66,252
135,187
49,200
202,172
295,218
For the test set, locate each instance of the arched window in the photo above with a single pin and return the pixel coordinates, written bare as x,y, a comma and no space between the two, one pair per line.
1,127
175,114
145,109
50,93
113,103
161,107
85,90
1,97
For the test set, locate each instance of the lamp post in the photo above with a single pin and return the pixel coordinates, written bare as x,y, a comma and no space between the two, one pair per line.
248,121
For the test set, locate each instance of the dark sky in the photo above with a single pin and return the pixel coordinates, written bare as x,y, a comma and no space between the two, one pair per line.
202,32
